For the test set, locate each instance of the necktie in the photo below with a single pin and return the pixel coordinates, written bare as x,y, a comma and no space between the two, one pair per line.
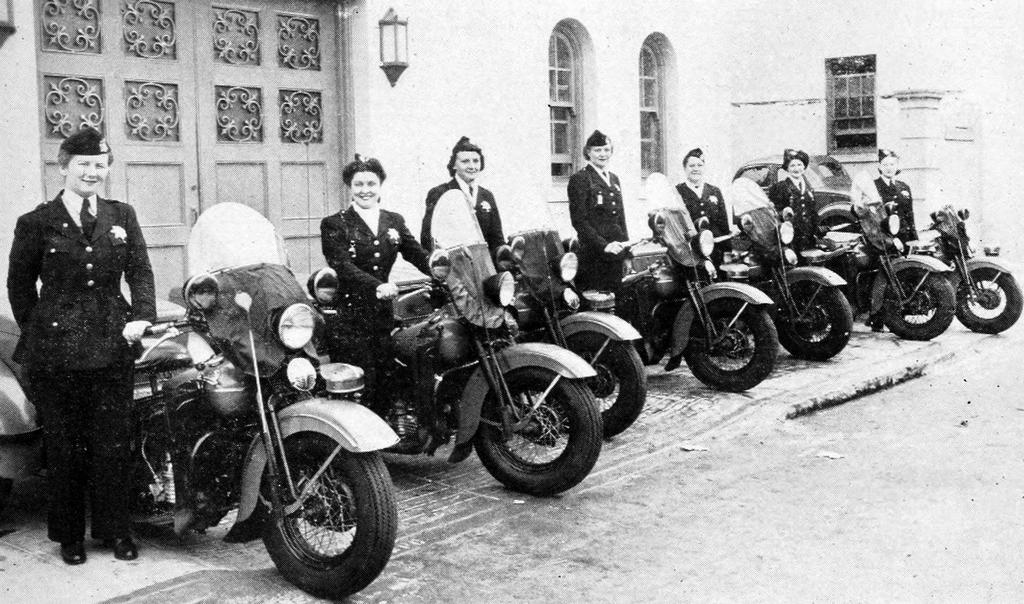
88,220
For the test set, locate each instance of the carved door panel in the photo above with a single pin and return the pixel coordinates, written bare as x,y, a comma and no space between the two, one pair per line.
268,131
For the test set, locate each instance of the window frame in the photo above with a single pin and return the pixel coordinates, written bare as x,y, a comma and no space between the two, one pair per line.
842,76
573,106
657,111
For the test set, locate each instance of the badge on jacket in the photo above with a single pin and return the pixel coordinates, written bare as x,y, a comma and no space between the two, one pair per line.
393,236
118,234
600,199
905,193
486,207
713,199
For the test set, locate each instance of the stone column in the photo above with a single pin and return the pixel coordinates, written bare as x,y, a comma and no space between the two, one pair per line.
921,135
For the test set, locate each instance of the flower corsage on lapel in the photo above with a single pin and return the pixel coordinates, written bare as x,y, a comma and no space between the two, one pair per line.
393,236
118,235
485,206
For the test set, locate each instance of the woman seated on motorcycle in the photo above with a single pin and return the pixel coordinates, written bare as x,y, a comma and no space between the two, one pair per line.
795,192
362,243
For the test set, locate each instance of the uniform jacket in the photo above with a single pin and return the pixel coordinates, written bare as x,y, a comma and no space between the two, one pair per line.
362,258
899,192
75,320
711,204
486,215
597,214
785,194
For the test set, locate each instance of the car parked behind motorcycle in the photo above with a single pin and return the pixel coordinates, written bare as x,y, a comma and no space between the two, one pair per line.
812,316
988,297
232,411
458,373
548,310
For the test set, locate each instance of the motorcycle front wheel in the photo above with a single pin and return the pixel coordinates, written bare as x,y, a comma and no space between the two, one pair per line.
744,352
822,325
554,442
995,307
927,313
341,536
620,387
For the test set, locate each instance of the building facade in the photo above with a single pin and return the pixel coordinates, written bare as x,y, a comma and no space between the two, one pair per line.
207,101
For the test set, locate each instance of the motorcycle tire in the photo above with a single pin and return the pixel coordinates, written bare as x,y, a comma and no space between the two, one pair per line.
744,358
6,484
565,429
825,327
935,300
355,496
1002,314
620,387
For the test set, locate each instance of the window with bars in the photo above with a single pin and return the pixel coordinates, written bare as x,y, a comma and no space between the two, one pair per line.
850,98
563,102
652,155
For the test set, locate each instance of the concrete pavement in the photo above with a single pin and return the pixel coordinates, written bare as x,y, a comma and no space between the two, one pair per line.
439,502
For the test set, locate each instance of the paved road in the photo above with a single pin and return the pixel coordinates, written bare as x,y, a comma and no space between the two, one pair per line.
774,509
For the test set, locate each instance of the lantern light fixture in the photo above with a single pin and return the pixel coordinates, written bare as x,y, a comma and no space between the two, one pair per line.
6,20
394,45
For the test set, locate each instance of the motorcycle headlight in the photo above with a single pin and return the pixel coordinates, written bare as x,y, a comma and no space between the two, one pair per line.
657,222
898,244
568,265
790,255
301,374
786,233
296,325
706,242
323,285
747,223
201,291
500,288
440,265
892,224
787,213
571,298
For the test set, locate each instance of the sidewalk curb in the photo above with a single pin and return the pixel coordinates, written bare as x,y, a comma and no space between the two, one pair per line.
898,370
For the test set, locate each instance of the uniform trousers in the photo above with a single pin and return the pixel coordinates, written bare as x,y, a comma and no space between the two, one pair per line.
361,336
87,427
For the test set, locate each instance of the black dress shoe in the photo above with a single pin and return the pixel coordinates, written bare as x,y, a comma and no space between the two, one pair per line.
124,548
673,362
72,553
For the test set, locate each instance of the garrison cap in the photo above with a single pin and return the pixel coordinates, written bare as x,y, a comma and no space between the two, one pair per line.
790,154
87,141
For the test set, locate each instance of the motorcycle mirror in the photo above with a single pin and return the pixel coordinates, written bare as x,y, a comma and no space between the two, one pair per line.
963,213
323,285
518,247
243,300
787,214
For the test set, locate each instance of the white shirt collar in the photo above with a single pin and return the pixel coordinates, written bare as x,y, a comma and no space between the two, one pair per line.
799,182
470,191
371,216
603,172
73,203
698,190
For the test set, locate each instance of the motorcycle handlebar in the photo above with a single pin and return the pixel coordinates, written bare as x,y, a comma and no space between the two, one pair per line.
157,329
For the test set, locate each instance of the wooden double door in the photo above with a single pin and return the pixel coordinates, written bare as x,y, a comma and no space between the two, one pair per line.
201,102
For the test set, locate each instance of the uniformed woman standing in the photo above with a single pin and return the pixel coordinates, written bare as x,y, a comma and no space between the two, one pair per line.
795,192
704,200
892,190
362,244
597,214
76,336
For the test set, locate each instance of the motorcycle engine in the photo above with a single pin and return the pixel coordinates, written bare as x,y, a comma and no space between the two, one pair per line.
448,335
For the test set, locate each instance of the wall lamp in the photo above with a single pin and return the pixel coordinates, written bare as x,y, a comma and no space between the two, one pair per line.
6,20
394,45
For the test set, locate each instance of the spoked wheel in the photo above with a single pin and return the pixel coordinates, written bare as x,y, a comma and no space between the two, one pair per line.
620,386
555,433
744,353
928,311
339,537
993,306
822,324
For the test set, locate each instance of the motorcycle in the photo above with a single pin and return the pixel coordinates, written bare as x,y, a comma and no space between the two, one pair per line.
988,298
548,310
232,411
722,330
913,293
812,316
456,371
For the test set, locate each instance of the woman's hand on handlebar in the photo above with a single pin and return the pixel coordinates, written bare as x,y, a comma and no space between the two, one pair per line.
134,330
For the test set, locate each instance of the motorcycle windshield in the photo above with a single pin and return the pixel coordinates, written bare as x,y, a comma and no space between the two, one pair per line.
457,234
871,218
663,200
542,246
748,199
257,268
949,224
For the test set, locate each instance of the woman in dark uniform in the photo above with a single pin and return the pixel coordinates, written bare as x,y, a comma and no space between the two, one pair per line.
76,336
597,214
704,200
362,244
892,190
464,165
795,192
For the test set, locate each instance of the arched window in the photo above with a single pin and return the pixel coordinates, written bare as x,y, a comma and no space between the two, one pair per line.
652,109
564,101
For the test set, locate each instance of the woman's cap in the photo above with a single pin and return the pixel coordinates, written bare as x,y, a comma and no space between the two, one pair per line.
87,141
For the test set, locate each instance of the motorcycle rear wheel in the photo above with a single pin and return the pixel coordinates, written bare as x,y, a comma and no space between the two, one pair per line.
341,537
927,314
823,329
554,446
999,311
620,387
740,360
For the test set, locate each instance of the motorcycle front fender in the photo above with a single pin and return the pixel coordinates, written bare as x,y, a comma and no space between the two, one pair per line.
988,262
746,293
913,261
351,425
563,362
817,274
603,323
